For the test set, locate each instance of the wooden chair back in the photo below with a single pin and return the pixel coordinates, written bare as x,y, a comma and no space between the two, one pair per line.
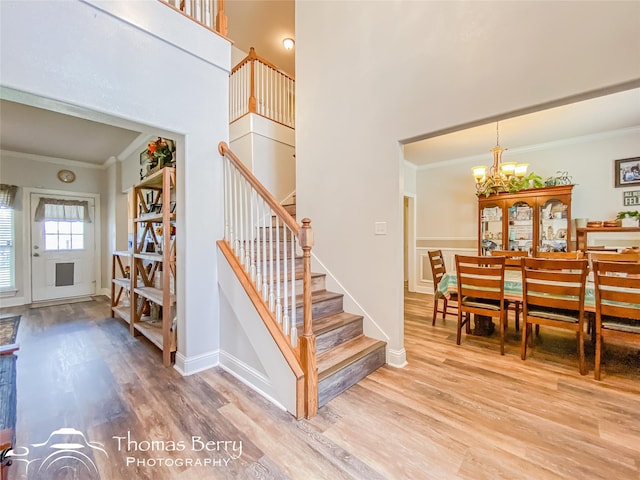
480,277
438,267
615,257
553,295
577,255
481,291
617,288
512,257
554,284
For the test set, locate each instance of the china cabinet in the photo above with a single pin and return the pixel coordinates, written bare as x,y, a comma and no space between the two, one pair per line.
535,220
153,269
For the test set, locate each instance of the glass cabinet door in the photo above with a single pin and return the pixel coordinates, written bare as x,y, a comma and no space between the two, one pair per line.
490,229
520,229
553,226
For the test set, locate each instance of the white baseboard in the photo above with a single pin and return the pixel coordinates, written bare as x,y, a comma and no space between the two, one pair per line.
12,302
397,358
424,289
249,376
190,365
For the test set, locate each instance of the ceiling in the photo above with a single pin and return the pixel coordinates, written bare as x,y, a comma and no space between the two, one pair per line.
598,115
263,24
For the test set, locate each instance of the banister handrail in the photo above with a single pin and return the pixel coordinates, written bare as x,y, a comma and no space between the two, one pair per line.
262,237
254,56
225,151
256,86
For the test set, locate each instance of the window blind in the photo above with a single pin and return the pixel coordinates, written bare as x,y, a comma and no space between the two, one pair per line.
7,250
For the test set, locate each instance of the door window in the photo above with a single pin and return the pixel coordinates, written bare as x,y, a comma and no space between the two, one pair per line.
63,235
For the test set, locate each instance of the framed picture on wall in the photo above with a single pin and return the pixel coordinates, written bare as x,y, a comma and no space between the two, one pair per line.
627,172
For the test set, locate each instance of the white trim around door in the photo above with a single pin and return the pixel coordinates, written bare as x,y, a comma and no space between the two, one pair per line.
26,235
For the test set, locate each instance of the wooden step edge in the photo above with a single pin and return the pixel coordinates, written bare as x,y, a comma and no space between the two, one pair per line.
328,325
351,359
318,296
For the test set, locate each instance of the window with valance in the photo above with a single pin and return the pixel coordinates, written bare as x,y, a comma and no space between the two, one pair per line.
7,246
54,209
63,222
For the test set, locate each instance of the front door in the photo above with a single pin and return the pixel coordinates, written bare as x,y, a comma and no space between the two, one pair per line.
62,252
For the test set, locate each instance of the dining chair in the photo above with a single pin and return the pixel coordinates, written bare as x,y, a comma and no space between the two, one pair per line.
553,295
438,269
513,259
578,254
617,288
481,291
615,257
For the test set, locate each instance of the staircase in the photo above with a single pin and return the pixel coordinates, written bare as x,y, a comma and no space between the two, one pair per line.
344,354
323,346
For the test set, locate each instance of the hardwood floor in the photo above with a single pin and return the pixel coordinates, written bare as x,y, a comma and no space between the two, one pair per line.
455,412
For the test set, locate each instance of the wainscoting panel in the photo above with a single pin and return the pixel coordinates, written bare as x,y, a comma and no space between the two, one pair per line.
450,248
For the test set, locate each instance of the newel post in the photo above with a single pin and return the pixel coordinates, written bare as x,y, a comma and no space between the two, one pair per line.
308,339
221,19
252,85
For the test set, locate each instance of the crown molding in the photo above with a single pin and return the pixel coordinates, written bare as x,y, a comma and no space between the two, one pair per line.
537,147
46,159
136,145
112,160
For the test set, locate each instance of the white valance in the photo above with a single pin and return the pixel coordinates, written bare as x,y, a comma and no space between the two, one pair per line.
65,210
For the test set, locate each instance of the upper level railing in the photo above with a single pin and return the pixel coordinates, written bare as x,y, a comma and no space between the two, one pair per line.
258,86
209,13
264,241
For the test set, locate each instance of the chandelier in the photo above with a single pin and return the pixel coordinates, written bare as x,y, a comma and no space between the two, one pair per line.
501,177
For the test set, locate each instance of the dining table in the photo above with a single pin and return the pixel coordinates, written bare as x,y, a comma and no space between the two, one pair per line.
513,288
512,292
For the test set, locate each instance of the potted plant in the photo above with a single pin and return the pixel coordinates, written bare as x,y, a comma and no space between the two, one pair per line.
629,219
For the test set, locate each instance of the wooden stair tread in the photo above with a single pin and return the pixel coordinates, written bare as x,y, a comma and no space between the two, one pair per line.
318,296
345,354
333,321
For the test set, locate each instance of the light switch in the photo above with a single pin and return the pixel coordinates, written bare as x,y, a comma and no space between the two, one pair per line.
381,228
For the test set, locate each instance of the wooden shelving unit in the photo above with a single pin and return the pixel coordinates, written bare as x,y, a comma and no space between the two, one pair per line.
121,285
153,269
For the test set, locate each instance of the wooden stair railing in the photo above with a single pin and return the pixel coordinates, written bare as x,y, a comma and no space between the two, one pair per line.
258,86
209,13
265,241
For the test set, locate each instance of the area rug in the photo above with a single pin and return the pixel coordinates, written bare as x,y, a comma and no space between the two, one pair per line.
9,329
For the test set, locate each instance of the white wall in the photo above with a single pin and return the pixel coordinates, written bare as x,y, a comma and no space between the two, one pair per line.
116,48
267,149
369,74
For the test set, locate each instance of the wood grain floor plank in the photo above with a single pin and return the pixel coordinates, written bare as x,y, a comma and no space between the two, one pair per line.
454,412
